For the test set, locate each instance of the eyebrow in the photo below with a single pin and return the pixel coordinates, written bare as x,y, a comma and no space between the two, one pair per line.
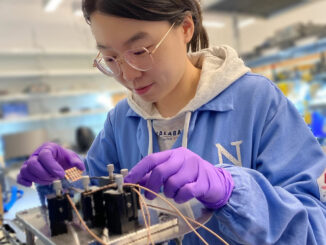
134,38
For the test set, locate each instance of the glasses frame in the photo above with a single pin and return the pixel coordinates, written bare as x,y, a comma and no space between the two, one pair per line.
118,60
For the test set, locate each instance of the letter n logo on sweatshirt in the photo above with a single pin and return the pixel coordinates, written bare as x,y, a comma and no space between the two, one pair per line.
223,152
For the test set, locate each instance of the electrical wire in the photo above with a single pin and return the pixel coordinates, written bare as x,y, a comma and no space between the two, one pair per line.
192,220
83,222
188,218
92,233
147,222
100,189
172,206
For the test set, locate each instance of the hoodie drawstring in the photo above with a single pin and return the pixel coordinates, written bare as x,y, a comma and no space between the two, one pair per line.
150,137
184,137
186,129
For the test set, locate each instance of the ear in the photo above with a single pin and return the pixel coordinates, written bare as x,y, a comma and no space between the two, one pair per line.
188,28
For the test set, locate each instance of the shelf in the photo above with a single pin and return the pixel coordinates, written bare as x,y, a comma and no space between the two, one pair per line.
37,52
40,117
290,53
68,73
22,74
317,103
36,96
53,73
53,120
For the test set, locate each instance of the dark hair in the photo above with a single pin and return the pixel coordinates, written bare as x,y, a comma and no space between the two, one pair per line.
173,11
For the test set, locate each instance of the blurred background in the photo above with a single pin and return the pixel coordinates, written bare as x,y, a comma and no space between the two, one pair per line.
49,90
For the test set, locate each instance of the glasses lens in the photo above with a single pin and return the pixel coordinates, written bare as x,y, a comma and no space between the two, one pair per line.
139,59
108,65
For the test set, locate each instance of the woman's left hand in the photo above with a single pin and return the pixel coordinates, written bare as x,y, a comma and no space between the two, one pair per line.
184,175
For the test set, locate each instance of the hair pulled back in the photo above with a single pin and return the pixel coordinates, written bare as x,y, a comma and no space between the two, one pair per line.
173,11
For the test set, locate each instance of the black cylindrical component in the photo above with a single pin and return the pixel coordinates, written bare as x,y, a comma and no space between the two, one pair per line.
98,204
121,211
60,211
87,209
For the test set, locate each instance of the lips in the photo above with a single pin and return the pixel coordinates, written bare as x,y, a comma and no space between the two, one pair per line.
143,90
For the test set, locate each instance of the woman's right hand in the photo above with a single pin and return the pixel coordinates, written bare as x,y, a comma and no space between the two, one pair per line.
48,163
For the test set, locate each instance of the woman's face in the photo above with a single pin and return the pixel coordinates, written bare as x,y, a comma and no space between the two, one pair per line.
115,35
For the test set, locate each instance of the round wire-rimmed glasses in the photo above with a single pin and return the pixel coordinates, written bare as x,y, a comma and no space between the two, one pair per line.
140,59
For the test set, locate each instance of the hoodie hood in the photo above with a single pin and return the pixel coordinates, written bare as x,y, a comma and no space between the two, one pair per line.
220,67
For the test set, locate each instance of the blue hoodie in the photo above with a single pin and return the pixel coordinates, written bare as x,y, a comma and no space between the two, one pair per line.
242,122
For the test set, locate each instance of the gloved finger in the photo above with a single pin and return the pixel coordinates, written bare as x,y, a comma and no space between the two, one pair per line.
216,191
143,181
186,192
195,189
32,177
21,180
146,165
37,151
209,187
162,172
47,160
36,169
188,173
25,176
45,145
75,160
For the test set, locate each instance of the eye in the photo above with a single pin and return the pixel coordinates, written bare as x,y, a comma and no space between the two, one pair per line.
139,52
109,59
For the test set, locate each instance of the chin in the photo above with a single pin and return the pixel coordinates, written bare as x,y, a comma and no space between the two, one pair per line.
148,99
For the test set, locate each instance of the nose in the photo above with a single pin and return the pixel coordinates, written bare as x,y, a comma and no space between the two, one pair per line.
129,73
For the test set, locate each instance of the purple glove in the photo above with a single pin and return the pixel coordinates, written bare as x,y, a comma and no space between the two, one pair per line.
47,164
184,175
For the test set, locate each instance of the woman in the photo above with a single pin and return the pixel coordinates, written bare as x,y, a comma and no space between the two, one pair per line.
218,132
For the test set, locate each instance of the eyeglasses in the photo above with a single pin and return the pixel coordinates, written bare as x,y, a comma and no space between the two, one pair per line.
140,59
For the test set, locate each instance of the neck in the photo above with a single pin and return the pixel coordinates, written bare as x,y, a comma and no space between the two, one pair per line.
181,94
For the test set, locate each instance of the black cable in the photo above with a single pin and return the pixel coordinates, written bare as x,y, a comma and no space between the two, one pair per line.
95,177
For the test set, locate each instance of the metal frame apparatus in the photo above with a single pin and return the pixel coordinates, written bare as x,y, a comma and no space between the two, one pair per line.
111,213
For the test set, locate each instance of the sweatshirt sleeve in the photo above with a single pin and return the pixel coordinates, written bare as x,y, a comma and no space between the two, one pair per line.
278,201
103,150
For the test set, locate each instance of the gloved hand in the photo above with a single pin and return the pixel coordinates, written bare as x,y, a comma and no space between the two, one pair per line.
184,175
47,164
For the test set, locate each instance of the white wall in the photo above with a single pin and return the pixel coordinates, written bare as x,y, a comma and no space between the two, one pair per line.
25,25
